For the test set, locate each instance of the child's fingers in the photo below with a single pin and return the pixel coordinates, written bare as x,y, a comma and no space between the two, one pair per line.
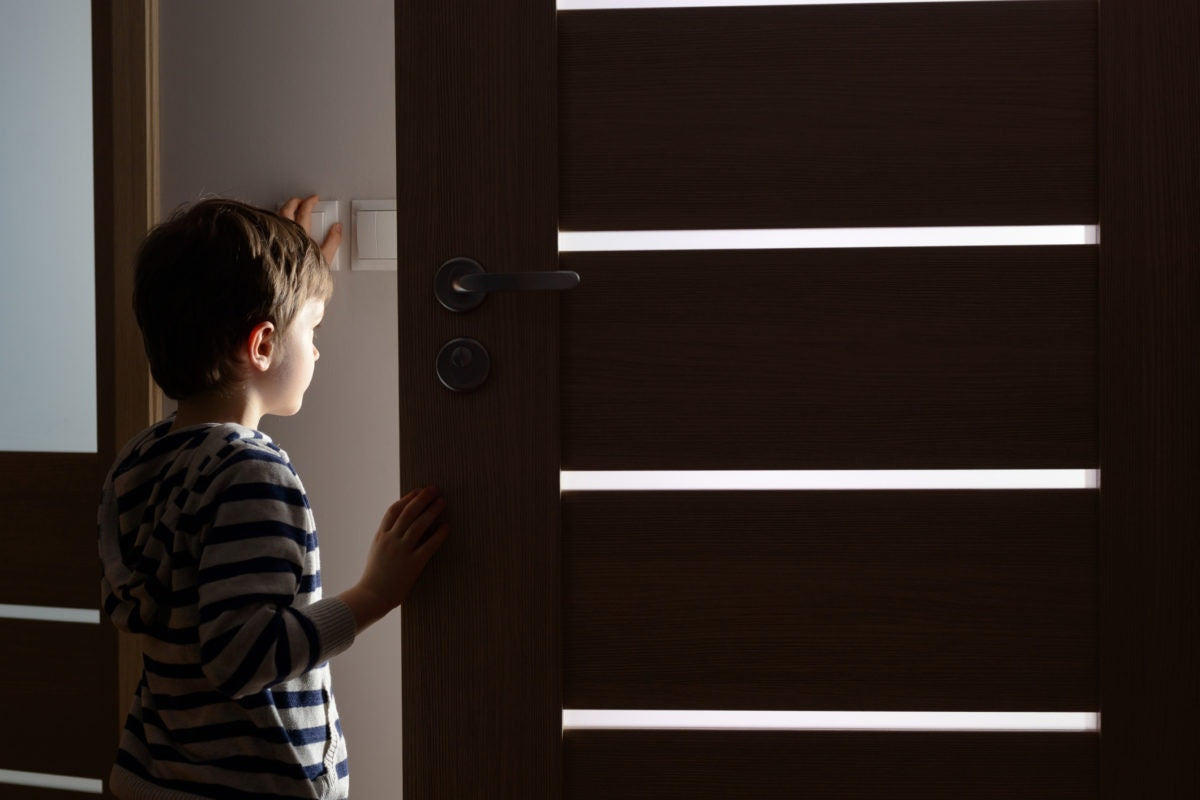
396,509
392,514
289,208
413,495
304,213
411,505
333,240
418,526
427,548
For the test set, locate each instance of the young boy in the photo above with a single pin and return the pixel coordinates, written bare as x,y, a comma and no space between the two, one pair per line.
207,543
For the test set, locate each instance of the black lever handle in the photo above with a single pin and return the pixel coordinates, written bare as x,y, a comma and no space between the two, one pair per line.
462,283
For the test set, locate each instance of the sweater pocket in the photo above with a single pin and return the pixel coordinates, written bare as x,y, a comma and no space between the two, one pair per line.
326,784
335,756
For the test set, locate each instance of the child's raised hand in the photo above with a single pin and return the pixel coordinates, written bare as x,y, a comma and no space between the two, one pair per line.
399,552
300,211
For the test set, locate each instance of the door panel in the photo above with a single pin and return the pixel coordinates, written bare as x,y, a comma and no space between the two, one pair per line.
828,116
59,681
49,524
845,600
716,765
916,358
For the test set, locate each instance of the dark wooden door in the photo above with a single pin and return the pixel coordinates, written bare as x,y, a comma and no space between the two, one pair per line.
517,121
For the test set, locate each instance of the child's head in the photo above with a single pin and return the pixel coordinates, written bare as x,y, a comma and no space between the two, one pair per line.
207,276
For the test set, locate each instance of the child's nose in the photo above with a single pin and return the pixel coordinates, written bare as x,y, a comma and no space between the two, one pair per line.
316,353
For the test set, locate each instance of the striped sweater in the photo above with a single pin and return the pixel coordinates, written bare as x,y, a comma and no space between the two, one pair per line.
209,554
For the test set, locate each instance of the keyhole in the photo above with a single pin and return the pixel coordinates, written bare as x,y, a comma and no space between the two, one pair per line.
463,364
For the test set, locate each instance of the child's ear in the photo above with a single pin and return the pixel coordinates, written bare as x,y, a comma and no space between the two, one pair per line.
260,346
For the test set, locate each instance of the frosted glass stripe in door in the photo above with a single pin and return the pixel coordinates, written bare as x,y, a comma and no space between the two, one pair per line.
44,780
782,480
593,718
807,238
602,5
50,613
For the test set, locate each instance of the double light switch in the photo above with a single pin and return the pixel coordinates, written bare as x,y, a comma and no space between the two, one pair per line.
371,243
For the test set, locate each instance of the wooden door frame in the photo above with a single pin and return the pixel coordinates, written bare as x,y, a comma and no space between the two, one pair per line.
126,136
1149,397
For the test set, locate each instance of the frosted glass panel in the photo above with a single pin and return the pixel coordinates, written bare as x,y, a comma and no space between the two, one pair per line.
811,479
47,304
608,5
658,719
798,238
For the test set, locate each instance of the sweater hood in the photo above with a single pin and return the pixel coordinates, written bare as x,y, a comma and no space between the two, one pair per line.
138,557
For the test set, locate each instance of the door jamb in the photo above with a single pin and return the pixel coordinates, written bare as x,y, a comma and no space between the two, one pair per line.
126,95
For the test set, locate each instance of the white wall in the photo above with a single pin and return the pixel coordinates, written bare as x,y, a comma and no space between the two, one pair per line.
47,304
262,99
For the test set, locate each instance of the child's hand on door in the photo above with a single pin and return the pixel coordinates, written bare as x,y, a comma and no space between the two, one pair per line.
402,547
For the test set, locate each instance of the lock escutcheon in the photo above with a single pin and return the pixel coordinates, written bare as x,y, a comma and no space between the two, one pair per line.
463,364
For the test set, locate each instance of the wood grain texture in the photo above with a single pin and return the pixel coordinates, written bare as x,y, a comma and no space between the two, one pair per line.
48,529
132,207
859,600
828,116
1150,398
106,174
125,42
56,688
718,765
476,160
917,358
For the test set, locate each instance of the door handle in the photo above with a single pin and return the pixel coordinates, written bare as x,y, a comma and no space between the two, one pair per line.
462,283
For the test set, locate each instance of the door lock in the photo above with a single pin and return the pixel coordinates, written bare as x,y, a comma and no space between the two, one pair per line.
461,285
463,364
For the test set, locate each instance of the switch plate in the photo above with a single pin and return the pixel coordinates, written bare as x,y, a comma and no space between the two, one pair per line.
375,235
324,214
365,235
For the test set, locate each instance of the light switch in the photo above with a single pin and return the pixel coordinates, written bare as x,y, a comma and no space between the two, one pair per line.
385,234
324,214
364,234
376,243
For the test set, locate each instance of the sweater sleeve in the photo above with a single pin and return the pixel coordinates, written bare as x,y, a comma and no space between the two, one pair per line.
258,558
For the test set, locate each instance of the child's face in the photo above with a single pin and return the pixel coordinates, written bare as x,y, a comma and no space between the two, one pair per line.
290,374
